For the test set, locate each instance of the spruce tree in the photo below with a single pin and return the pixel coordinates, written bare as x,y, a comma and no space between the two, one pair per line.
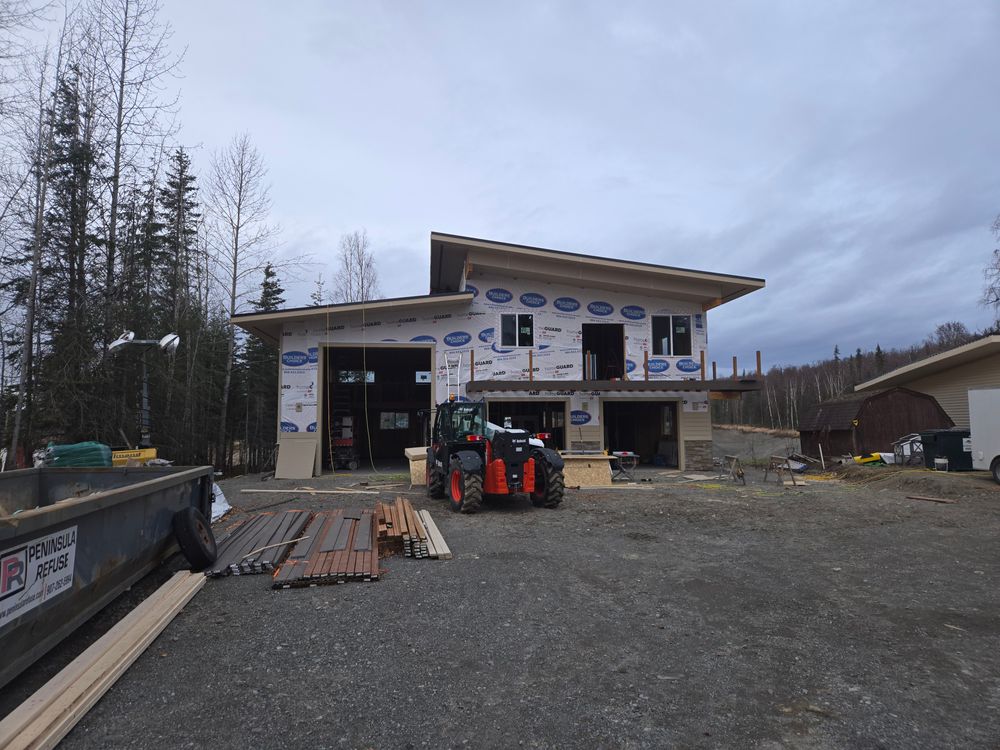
260,375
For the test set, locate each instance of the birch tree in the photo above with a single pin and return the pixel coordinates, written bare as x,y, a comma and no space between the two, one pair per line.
239,206
356,278
134,62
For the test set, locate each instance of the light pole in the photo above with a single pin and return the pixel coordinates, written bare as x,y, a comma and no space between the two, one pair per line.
168,344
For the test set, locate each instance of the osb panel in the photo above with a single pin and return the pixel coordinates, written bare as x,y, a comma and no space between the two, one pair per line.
587,472
418,470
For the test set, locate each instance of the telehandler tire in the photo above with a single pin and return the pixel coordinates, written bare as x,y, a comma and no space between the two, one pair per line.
550,486
465,489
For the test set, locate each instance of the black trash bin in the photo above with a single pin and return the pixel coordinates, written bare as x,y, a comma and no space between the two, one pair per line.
952,444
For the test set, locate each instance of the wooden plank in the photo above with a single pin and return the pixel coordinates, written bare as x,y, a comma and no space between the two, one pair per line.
310,492
330,538
932,499
363,541
444,552
16,721
48,715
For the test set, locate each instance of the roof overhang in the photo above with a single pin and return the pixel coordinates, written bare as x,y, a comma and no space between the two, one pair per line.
717,386
453,256
961,355
268,325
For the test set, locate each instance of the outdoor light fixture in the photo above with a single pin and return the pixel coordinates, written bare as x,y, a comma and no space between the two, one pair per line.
125,338
168,344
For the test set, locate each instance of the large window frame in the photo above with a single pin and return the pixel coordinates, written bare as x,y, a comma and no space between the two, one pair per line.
517,330
679,340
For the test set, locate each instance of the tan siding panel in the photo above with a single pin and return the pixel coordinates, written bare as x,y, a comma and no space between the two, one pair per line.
694,425
586,433
951,388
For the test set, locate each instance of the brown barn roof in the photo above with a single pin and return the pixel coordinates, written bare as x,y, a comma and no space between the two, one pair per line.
836,414
839,414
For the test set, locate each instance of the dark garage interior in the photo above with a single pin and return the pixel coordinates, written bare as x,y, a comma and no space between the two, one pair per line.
395,399
648,428
533,416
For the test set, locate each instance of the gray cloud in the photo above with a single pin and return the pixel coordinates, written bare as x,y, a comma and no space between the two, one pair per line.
841,150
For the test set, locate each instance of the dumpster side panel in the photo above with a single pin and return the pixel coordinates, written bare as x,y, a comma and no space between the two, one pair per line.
116,544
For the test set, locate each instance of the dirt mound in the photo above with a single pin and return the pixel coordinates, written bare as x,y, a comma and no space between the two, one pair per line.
917,481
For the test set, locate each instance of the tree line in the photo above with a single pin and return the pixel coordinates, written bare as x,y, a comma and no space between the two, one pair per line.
107,228
789,392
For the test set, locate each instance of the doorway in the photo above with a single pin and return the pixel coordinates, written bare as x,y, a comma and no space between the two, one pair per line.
603,351
648,428
394,383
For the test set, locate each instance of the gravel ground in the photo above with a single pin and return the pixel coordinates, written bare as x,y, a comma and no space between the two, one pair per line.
694,614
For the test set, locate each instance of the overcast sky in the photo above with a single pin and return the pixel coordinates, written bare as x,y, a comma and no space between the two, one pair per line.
845,151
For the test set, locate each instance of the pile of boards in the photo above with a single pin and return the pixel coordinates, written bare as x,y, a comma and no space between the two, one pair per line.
339,547
54,709
412,533
258,544
335,546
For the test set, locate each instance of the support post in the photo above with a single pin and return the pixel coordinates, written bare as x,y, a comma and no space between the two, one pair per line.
715,373
472,365
758,364
531,364
702,364
735,369
645,363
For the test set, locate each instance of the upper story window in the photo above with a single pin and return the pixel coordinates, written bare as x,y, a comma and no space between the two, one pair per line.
671,335
517,330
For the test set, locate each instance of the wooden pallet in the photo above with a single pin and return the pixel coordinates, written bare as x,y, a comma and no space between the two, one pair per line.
341,546
258,544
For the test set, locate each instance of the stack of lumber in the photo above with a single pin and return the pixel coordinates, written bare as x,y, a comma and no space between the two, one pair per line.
399,529
437,548
258,544
48,715
340,546
403,530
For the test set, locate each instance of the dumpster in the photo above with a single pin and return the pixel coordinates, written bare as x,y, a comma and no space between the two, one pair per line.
71,540
954,445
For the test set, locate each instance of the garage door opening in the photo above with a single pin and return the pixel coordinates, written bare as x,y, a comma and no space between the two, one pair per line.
648,428
533,416
395,382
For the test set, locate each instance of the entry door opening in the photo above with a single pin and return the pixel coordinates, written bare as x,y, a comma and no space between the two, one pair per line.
603,351
648,428
389,378
533,416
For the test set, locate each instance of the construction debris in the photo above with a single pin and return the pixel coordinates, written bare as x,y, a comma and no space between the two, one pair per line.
339,547
258,544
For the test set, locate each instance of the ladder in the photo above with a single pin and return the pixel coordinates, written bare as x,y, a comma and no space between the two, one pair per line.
453,366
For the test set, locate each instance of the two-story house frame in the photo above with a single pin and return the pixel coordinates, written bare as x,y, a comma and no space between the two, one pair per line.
602,353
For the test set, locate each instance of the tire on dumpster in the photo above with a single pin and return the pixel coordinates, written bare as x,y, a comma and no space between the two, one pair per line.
195,537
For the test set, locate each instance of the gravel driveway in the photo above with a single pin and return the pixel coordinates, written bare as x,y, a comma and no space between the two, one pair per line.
665,614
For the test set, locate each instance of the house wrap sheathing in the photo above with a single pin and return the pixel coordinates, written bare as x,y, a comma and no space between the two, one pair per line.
602,353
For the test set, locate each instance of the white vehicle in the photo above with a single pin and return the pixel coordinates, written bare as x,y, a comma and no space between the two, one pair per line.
984,420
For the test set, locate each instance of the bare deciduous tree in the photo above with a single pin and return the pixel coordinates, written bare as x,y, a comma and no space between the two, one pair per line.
356,278
134,61
991,292
238,207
